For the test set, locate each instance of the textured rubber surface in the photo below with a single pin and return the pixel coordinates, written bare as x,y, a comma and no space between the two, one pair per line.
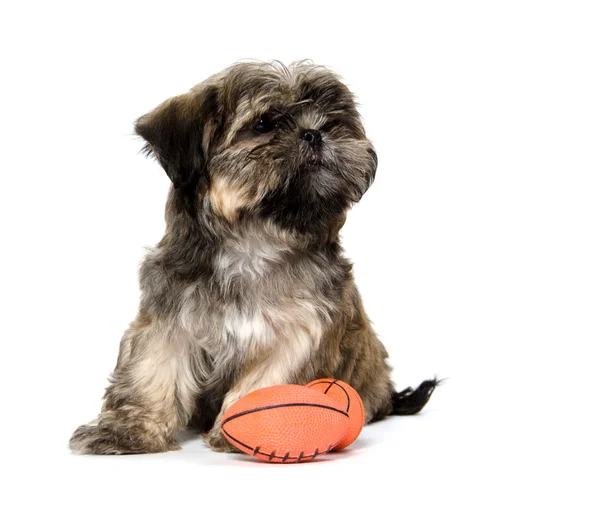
285,424
350,402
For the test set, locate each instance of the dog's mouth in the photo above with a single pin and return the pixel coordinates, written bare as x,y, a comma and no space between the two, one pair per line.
312,163
312,158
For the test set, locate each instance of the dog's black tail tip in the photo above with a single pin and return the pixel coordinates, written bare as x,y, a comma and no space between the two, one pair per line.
409,401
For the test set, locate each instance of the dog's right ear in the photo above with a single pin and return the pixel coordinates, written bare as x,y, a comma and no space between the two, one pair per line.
174,134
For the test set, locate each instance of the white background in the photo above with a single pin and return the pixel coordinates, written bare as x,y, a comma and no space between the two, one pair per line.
477,252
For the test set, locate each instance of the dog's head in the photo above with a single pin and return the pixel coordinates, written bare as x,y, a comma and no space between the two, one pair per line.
264,141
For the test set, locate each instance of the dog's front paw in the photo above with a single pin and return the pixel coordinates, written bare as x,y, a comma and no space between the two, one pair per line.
216,441
91,439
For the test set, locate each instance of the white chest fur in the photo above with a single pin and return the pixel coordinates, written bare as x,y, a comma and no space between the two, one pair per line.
278,316
282,318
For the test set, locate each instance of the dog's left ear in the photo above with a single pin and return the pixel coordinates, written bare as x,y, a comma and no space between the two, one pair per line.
175,135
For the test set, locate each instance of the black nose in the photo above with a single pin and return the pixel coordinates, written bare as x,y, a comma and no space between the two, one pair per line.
313,137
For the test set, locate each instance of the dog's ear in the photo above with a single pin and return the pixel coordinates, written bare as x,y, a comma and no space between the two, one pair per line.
175,134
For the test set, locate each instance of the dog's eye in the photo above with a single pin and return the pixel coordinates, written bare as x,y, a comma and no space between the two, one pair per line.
263,125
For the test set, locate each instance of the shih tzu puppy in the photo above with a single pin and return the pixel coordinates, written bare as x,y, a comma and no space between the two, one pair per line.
249,286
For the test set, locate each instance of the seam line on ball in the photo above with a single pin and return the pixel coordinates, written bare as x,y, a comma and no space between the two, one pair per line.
272,455
338,385
292,404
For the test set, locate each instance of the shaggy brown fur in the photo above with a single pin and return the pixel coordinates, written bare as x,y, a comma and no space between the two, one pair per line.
249,286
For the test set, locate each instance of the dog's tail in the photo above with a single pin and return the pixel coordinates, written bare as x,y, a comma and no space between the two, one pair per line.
409,401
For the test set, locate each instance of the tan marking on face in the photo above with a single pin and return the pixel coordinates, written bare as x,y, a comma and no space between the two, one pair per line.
227,199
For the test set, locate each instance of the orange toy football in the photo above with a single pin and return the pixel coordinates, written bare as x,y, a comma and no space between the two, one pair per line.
286,423
350,402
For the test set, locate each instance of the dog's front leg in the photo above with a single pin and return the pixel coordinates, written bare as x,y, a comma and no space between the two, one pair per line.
150,396
257,375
